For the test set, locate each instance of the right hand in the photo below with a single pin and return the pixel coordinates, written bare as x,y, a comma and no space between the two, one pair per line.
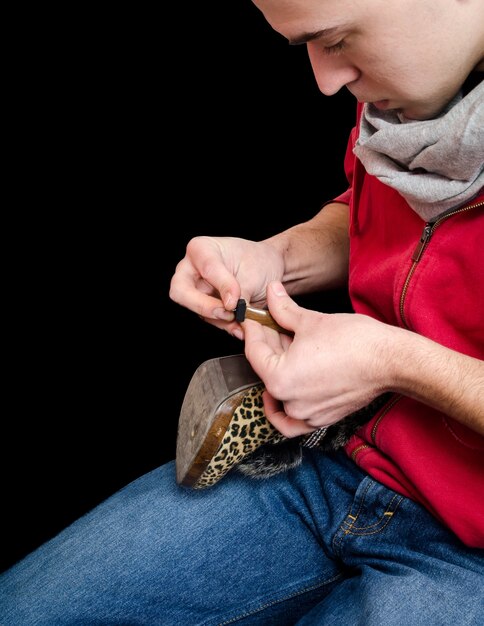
217,271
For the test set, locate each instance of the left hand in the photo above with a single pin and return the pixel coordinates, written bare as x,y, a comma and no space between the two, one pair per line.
335,363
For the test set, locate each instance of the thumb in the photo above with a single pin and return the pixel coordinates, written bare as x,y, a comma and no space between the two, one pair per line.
282,307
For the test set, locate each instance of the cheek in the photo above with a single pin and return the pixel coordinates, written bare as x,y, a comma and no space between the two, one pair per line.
386,73
402,67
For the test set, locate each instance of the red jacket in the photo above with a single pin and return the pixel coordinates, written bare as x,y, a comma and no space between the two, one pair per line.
429,279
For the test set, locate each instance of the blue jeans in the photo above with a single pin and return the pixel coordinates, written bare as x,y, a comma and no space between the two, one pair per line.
320,544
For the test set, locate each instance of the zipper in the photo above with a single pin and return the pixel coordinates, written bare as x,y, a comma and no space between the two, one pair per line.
365,446
384,412
357,450
428,231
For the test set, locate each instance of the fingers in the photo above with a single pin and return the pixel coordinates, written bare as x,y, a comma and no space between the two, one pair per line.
282,307
262,344
207,257
233,328
286,425
206,286
263,347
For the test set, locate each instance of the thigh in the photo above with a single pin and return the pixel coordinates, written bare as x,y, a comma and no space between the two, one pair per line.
154,553
404,567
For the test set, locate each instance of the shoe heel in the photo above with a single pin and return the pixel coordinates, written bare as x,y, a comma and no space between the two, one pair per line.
221,421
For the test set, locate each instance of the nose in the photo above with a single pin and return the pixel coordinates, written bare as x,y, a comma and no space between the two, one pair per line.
332,71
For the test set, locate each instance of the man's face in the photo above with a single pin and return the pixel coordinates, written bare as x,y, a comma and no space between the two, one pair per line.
410,55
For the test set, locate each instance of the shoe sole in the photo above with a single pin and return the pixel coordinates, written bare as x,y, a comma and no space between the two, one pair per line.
216,389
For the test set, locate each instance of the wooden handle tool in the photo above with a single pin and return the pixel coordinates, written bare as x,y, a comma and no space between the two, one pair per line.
244,311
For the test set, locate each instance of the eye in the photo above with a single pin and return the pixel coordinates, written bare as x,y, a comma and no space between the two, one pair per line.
334,49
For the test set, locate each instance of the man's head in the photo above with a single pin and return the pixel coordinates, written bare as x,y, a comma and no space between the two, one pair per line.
411,55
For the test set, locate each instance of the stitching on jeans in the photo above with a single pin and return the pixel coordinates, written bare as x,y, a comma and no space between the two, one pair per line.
364,530
361,501
287,597
388,512
338,537
349,528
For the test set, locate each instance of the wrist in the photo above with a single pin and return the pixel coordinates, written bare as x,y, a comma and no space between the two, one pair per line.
396,359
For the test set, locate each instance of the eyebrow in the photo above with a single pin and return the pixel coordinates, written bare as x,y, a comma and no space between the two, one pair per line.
297,41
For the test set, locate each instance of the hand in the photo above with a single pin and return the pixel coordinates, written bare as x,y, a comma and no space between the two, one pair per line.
334,364
217,271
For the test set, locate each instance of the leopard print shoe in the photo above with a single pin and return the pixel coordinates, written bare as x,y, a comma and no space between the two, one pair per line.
222,425
221,421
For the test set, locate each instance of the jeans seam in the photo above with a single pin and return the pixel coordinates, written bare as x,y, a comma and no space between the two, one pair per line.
365,530
362,499
338,537
349,528
352,528
279,600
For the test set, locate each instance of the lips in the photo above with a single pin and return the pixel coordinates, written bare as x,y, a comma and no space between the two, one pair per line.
379,104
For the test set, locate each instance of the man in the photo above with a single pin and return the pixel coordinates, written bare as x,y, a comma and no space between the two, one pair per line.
391,529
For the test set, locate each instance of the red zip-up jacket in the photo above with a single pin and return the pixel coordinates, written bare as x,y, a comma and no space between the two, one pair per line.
429,278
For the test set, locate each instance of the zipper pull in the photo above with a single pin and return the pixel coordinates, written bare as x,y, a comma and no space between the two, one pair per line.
424,239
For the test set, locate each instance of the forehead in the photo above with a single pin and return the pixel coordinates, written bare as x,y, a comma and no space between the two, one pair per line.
297,19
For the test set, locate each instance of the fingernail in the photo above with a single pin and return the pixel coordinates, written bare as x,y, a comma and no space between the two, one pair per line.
278,289
222,314
228,302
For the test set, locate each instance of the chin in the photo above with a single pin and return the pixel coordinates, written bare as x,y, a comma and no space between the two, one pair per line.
412,115
425,111
418,115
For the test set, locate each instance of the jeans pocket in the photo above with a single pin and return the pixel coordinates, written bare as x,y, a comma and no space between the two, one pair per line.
372,510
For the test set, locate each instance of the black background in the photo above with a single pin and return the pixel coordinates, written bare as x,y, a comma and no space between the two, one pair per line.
143,131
